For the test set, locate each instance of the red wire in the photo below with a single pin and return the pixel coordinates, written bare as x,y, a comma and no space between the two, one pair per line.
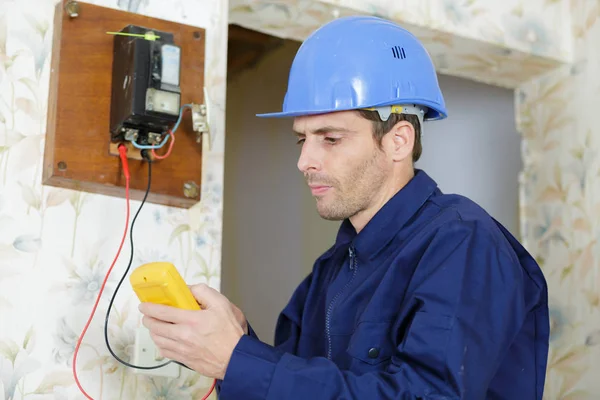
123,155
210,390
159,157
170,147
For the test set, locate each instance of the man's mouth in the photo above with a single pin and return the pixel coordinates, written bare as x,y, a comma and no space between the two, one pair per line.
318,190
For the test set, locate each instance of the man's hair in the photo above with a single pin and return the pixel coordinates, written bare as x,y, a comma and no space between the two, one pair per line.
381,128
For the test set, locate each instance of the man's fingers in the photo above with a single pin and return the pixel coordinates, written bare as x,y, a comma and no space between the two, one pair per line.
167,343
165,313
171,355
205,295
158,327
171,349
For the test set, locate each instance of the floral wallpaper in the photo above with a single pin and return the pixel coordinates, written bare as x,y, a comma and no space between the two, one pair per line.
503,43
560,210
56,245
532,26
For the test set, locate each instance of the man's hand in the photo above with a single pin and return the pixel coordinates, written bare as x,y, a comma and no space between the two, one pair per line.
240,317
202,340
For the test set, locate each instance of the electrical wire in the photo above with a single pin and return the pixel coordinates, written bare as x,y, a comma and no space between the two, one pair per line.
110,305
158,146
168,153
123,156
181,110
150,146
144,154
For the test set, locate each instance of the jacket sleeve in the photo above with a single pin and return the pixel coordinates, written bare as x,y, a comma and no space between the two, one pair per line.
472,305
252,335
251,332
287,331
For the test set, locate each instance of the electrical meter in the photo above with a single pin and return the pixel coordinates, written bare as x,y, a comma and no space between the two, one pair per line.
146,94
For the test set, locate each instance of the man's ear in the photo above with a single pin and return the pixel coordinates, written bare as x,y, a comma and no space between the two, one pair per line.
400,141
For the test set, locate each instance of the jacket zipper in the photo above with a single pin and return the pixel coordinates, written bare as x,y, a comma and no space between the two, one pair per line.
354,268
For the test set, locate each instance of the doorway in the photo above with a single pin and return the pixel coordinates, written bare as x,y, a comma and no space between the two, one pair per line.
272,233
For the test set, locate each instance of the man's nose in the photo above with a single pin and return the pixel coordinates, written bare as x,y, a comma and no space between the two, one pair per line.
309,160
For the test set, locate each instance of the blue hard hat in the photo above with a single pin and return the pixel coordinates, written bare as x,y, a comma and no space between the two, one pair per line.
361,62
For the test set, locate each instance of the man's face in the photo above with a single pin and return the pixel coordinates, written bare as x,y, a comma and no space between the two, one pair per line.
342,163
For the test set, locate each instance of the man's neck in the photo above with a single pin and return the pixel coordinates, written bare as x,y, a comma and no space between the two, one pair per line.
362,218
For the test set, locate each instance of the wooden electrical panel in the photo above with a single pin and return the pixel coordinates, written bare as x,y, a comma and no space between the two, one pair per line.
78,151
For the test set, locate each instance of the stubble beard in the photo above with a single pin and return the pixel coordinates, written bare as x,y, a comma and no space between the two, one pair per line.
354,192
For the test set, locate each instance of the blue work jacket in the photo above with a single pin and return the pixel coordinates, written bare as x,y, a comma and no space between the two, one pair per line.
433,299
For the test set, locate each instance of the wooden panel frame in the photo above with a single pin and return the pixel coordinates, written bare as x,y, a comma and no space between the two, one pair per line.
78,152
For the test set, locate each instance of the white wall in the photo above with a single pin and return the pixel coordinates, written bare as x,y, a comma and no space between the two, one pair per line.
476,152
272,233
271,230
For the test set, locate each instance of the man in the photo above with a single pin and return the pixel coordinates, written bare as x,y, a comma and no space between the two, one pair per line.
422,296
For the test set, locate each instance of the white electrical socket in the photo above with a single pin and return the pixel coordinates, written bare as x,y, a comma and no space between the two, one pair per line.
146,354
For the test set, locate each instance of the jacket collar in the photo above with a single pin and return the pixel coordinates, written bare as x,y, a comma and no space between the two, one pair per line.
390,219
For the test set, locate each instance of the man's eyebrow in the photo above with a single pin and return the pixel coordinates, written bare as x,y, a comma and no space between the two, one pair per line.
325,129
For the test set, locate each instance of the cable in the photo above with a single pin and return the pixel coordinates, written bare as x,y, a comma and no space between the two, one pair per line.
181,110
125,275
168,153
149,146
123,155
156,147
210,390
145,155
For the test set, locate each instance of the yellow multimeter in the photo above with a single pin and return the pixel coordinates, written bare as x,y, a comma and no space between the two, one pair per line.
161,283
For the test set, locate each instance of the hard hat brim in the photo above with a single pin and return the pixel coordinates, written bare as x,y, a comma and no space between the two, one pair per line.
434,112
294,113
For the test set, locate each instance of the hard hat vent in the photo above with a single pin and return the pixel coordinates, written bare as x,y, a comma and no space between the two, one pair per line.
398,52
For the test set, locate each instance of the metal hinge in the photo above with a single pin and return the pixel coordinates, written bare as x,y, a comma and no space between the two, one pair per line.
200,119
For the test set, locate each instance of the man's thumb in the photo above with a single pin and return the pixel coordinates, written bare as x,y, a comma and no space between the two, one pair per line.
205,295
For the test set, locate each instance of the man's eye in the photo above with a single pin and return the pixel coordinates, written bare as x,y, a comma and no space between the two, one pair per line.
331,140
300,141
